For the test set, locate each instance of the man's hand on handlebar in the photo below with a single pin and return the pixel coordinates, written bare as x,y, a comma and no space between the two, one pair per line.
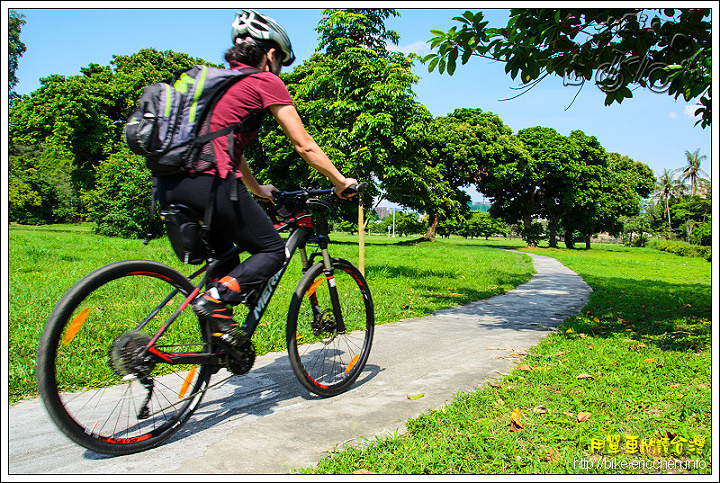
346,189
267,191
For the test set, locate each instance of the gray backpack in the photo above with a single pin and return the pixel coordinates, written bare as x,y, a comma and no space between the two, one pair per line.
170,124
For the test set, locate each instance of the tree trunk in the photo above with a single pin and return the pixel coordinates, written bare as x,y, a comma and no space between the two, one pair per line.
433,221
569,242
587,242
552,229
527,224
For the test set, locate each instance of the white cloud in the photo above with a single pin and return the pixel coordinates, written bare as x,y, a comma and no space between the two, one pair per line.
690,110
420,48
673,115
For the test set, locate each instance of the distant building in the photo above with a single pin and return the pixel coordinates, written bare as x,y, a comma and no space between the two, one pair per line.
484,207
383,211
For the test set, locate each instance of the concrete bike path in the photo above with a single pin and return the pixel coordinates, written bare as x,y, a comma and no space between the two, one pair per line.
266,423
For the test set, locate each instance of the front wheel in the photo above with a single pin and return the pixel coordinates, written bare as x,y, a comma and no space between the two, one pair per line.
91,376
329,343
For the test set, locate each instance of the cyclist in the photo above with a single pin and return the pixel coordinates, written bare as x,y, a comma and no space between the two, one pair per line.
257,41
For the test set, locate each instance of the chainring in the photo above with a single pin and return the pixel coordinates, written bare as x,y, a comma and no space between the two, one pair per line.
240,366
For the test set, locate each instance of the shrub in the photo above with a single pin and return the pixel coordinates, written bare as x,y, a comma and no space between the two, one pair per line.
120,203
683,249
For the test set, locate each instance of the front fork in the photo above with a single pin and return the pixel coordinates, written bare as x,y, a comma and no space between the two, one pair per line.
329,272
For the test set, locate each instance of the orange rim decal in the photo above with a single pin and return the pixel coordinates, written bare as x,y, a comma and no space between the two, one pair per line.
314,286
352,363
186,384
75,325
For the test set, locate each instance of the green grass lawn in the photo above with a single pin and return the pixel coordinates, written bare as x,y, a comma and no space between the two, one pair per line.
406,280
624,387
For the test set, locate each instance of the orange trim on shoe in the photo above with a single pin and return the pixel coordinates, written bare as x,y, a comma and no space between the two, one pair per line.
230,283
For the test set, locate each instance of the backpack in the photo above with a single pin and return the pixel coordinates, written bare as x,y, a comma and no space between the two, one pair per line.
170,127
170,124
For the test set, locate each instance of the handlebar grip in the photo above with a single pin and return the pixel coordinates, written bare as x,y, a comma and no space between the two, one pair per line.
355,189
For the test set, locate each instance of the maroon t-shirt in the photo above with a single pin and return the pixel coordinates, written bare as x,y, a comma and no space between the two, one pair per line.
256,91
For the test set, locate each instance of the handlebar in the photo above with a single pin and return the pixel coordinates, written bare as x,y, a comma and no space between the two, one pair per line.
312,193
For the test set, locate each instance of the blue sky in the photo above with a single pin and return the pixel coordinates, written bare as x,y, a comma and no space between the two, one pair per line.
651,127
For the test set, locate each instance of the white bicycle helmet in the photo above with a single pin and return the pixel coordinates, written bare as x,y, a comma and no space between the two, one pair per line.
261,27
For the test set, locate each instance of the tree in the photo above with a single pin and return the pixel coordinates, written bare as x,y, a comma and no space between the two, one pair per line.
561,171
433,183
667,187
76,122
482,224
471,147
358,105
407,224
614,191
692,170
15,50
342,29
664,50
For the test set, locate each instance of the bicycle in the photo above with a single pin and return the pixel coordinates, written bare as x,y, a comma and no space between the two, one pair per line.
123,362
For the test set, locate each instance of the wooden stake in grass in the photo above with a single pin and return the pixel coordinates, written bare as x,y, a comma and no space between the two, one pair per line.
361,236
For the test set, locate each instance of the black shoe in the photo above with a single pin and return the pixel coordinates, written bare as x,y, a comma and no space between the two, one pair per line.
223,329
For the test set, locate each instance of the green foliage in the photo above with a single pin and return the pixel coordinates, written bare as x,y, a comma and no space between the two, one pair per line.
692,171
39,189
664,50
120,203
683,249
360,109
469,146
533,234
689,212
343,29
15,50
82,116
484,224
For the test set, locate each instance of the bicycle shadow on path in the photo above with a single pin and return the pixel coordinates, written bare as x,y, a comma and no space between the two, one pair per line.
266,423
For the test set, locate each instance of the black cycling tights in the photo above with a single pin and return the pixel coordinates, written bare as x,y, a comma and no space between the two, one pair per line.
243,223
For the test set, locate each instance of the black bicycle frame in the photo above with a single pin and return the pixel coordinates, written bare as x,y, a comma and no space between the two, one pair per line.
300,234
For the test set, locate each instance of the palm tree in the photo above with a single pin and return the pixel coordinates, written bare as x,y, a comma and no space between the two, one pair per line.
692,170
667,187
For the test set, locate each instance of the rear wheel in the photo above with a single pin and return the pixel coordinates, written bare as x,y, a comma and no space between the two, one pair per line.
326,359
91,378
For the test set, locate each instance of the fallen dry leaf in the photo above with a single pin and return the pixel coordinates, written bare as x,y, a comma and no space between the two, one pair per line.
540,409
585,376
552,455
363,472
649,360
515,424
583,417
416,396
524,367
495,385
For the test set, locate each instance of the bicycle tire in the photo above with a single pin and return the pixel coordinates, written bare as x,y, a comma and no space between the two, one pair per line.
326,362
82,370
